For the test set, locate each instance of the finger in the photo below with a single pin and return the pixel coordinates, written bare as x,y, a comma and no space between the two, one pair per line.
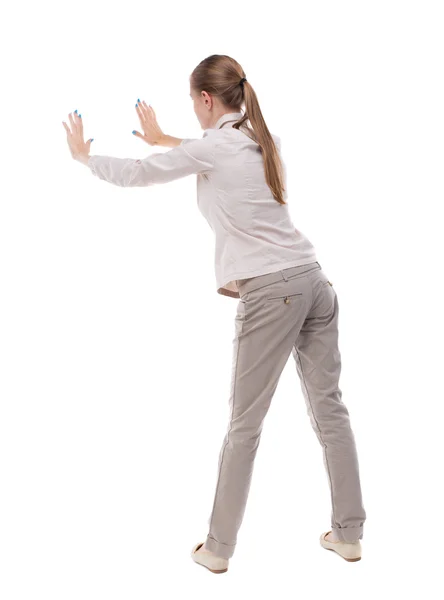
141,115
141,111
79,121
137,134
148,110
73,124
68,131
152,110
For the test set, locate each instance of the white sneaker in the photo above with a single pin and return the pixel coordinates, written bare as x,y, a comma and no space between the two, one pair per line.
351,551
215,564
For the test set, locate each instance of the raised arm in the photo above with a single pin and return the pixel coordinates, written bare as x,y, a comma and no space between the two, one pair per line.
190,156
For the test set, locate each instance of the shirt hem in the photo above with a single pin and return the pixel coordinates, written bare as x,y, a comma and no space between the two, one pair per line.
262,271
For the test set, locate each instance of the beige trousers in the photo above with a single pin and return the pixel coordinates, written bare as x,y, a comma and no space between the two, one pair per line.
293,311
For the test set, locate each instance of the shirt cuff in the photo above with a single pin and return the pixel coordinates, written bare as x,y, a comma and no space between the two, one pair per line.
90,164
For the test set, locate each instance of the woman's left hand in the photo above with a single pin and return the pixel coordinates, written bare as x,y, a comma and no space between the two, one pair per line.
79,149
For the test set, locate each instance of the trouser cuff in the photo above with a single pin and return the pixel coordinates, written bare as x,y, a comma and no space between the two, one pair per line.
349,534
219,549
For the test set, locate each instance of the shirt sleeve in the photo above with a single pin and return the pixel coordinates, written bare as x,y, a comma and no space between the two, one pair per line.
192,155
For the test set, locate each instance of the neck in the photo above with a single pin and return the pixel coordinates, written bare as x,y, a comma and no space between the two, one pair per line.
218,116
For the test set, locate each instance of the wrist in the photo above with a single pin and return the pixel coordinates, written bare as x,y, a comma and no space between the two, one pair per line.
169,141
163,140
83,158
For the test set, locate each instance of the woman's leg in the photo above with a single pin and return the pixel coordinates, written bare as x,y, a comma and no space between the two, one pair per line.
318,363
266,328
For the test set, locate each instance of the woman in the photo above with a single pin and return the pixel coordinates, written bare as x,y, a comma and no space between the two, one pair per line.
286,302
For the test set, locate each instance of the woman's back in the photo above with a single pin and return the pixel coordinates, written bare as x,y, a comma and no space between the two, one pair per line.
254,233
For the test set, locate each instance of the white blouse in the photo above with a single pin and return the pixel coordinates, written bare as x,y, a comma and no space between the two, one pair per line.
254,234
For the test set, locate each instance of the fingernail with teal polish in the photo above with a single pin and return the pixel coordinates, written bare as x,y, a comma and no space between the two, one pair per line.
133,132
138,99
92,139
80,115
135,105
75,110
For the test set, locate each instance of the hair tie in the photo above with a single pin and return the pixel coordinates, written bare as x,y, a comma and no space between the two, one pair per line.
242,81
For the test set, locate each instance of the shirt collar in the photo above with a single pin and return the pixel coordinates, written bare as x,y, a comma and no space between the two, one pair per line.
234,116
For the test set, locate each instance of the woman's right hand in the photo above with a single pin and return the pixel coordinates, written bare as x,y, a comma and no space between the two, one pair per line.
152,133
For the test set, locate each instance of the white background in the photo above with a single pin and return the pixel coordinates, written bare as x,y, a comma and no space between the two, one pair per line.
116,348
